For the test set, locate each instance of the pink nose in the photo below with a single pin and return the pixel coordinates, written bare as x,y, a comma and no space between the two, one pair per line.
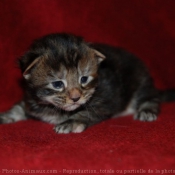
75,99
74,94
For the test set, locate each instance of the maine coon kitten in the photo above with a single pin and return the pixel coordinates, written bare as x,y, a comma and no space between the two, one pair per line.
74,85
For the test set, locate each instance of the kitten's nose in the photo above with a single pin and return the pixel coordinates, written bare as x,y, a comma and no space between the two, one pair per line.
74,94
75,99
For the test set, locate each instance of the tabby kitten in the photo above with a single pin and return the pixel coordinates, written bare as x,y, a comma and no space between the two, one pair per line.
74,85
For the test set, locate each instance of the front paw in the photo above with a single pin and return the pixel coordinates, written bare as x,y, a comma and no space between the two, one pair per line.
145,116
5,119
70,126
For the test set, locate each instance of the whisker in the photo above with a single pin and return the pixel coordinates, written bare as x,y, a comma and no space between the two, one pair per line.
94,111
87,110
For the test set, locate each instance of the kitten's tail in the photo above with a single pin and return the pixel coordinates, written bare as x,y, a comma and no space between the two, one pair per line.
167,95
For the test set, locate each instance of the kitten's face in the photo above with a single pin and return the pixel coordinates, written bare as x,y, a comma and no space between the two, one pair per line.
66,88
66,83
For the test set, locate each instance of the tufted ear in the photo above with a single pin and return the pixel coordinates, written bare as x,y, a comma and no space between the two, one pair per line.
27,72
27,62
100,57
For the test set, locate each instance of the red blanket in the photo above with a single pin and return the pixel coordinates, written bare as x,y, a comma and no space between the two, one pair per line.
121,145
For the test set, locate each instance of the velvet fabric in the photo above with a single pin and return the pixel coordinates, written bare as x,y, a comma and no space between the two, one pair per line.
121,145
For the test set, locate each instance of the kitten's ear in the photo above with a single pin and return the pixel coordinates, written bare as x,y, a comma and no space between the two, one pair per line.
27,72
27,62
100,57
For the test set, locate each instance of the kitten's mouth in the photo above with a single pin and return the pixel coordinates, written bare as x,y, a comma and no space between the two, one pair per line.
70,107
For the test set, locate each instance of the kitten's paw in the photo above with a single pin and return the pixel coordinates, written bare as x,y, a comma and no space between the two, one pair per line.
70,126
145,116
4,119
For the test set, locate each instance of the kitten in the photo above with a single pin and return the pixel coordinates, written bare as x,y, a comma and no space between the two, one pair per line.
74,85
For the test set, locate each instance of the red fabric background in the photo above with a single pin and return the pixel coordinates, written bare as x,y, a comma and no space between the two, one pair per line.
146,28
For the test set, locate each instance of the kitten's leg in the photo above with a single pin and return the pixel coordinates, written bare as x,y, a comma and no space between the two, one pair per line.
77,123
16,113
148,105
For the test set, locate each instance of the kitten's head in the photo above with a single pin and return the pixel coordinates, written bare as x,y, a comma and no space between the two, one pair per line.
61,70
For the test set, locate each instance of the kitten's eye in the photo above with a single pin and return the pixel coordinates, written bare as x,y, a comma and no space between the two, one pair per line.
58,84
84,80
